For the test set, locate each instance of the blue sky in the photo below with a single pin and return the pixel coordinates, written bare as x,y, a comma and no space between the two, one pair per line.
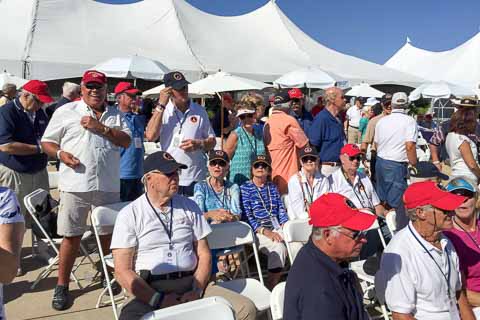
369,29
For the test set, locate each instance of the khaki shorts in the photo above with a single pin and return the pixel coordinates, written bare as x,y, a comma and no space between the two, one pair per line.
74,208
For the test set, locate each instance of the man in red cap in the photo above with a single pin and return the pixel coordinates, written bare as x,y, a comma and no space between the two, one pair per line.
419,272
318,286
297,102
86,136
22,124
131,158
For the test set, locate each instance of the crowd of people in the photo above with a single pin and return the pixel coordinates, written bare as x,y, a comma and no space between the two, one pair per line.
339,169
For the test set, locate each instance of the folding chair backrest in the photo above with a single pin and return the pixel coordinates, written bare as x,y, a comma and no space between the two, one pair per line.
104,216
276,301
53,179
203,309
34,199
297,230
230,234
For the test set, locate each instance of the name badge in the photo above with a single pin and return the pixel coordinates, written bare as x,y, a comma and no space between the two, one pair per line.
138,142
171,257
177,139
275,223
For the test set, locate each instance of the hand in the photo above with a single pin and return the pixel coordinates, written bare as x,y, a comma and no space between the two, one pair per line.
91,124
274,236
165,95
439,166
69,159
170,299
189,145
220,215
190,296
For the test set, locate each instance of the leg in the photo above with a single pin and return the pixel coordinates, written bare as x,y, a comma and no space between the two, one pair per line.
68,253
277,253
243,307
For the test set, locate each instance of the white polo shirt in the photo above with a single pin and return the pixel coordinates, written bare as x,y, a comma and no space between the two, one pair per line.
361,192
354,115
299,190
411,280
193,124
99,168
137,226
392,132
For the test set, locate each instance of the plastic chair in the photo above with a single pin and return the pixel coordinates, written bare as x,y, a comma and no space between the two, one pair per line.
391,220
276,301
105,216
204,309
31,201
295,231
252,289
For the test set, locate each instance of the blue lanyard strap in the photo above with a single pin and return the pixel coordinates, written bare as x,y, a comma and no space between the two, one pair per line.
181,122
446,276
224,191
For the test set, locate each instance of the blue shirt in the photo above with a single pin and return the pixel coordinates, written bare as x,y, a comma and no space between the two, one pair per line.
131,158
16,126
326,134
305,120
319,289
261,204
207,199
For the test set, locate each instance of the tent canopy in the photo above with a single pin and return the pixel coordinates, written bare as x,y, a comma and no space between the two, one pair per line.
260,45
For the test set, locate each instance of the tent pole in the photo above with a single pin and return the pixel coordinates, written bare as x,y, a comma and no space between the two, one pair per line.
221,120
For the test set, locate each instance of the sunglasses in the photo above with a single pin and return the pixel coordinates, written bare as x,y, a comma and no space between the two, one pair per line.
93,86
295,100
464,193
244,116
358,158
309,159
260,165
355,235
219,163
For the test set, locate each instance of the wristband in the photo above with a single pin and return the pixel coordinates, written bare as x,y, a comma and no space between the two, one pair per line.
160,108
262,230
58,153
106,130
436,162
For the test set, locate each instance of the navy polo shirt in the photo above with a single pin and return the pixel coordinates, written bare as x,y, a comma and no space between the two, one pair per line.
319,289
131,158
15,126
305,120
326,134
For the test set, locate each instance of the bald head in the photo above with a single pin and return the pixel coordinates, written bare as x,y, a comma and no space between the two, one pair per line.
335,100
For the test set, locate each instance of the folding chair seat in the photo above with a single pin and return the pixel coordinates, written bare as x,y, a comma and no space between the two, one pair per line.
296,232
276,301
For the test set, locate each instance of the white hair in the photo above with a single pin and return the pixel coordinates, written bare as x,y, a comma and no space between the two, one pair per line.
317,232
70,88
412,213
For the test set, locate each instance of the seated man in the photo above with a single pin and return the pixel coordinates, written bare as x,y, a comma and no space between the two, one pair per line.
160,248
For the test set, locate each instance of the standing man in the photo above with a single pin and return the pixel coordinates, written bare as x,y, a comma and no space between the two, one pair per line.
395,139
297,104
131,158
183,129
282,136
70,92
326,132
354,114
22,124
319,287
86,136
9,92
419,271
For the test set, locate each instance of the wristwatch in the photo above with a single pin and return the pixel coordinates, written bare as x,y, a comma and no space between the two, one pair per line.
160,107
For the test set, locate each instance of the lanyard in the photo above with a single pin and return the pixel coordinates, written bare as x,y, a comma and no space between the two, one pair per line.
468,233
359,195
261,198
224,191
254,148
169,231
310,190
446,276
181,122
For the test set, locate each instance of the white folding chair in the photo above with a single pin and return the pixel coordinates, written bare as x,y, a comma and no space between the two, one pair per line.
31,201
105,216
151,147
295,231
53,179
391,220
276,301
204,309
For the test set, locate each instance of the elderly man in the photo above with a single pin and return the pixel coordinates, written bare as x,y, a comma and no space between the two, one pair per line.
318,285
183,129
131,158
22,124
354,114
419,270
395,141
86,136
326,132
9,92
160,248
70,92
283,136
297,103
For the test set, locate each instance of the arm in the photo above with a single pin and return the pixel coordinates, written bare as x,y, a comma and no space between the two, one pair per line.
434,151
20,149
380,210
410,147
155,124
402,316
464,307
202,273
51,150
11,238
468,158
297,135
231,144
117,137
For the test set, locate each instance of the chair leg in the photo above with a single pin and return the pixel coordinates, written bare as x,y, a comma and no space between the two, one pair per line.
384,312
86,254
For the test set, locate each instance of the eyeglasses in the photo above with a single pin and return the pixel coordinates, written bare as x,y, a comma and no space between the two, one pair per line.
34,97
168,175
215,163
309,159
358,158
355,235
244,116
93,86
260,165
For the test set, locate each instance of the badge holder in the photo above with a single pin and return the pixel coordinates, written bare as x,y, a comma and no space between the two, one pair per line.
138,142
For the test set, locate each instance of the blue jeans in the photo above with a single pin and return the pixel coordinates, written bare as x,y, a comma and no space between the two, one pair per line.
391,179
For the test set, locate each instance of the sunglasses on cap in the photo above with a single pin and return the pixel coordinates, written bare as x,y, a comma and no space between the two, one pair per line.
464,192
358,158
355,235
244,116
220,163
93,86
295,100
260,165
309,158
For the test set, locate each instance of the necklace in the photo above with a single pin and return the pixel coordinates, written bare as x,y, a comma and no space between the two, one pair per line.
269,211
468,233
223,191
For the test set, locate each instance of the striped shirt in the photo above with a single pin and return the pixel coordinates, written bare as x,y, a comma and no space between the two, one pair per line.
260,205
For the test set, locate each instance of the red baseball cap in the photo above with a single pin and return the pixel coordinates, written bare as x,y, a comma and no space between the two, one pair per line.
333,209
38,88
94,76
350,149
295,93
429,193
126,87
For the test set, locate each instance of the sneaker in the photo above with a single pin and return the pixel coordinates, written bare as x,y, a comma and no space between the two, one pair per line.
61,298
116,289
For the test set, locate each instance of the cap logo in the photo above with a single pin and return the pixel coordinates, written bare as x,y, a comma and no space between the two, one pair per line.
95,74
177,76
193,119
401,101
219,153
167,156
261,157
278,99
307,149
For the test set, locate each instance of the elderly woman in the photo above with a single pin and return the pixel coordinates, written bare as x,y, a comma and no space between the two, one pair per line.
266,215
466,239
306,186
244,143
461,144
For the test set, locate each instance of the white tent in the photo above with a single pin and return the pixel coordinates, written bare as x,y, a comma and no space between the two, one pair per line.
460,65
364,90
309,77
439,89
50,39
132,67
6,77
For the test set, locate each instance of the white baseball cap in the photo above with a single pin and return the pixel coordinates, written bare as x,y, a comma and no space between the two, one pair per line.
400,99
371,101
244,111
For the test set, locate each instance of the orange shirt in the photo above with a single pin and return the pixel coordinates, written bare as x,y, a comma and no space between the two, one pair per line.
282,136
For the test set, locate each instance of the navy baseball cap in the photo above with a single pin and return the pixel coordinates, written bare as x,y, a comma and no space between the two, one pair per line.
308,151
218,155
281,97
425,169
176,80
161,161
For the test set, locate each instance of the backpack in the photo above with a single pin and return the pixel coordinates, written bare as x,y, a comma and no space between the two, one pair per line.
47,216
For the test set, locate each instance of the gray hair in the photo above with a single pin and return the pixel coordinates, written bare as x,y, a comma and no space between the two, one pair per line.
70,88
317,232
8,87
282,106
412,213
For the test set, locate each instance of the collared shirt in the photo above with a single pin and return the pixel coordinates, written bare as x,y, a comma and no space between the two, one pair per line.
193,124
261,205
208,199
391,134
458,164
131,158
412,280
361,192
354,114
370,133
319,289
327,135
138,226
305,120
300,193
99,167
16,125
